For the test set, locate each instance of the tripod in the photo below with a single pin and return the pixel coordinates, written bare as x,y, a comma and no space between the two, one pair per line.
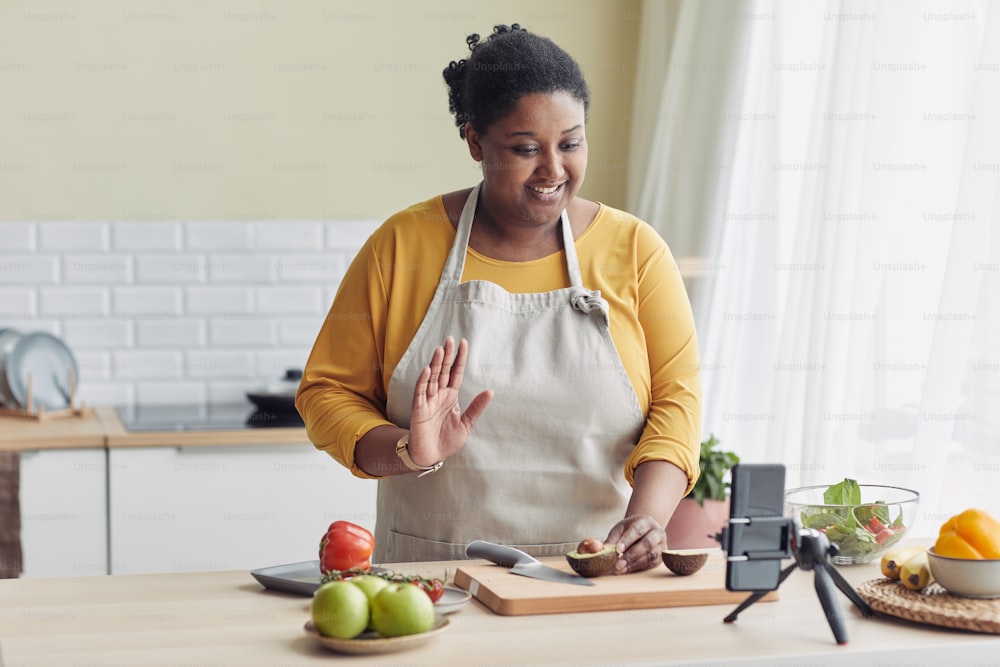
812,551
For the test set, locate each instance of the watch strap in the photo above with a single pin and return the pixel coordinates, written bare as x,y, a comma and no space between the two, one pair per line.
403,452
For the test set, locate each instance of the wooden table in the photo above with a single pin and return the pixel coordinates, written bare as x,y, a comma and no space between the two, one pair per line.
227,618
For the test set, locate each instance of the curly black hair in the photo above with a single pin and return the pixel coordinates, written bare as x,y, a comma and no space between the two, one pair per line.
508,65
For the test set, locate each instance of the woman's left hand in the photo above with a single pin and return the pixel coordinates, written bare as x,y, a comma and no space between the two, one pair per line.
640,540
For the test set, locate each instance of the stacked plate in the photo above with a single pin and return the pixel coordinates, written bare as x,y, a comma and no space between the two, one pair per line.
38,364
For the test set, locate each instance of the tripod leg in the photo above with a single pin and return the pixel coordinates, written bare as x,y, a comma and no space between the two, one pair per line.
743,605
849,591
758,595
825,589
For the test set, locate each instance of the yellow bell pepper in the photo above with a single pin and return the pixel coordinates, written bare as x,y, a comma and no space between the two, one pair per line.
973,534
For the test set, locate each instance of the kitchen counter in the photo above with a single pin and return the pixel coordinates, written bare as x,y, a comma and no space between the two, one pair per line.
138,501
104,429
227,618
17,433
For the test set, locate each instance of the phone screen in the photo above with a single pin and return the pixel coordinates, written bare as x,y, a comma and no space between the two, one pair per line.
756,490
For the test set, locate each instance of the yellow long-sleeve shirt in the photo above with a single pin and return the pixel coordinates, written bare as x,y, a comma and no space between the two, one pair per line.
386,291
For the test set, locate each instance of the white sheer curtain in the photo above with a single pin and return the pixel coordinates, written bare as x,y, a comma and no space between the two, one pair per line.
834,168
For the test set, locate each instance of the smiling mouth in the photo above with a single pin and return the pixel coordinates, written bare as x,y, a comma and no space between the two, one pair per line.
545,191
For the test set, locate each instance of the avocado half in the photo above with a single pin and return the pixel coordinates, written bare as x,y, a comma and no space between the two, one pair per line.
595,564
684,563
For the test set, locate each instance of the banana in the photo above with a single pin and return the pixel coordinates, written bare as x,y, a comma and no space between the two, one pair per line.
893,559
915,573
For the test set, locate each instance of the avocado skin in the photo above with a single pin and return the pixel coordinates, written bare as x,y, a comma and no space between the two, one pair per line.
593,565
684,564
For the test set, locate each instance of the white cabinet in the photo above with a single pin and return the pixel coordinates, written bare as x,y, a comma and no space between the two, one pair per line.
64,526
175,509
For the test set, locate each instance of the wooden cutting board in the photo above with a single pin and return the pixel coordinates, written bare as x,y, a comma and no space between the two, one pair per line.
516,595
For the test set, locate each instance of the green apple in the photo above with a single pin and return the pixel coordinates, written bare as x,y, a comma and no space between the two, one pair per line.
340,609
402,609
371,585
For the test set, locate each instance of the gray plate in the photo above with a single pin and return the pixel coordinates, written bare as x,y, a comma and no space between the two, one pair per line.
49,363
303,579
299,578
452,600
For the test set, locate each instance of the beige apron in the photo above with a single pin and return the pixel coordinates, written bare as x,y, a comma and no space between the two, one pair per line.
543,466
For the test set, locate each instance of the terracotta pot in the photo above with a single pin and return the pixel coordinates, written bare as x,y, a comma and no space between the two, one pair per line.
692,524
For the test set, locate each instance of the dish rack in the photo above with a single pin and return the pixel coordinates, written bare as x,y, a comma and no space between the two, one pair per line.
40,413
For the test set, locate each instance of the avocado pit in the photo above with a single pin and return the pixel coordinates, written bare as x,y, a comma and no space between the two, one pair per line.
593,558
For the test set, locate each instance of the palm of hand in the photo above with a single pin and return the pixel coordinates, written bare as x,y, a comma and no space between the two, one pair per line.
438,427
438,419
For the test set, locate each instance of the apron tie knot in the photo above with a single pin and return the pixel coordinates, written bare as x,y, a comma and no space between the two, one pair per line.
587,301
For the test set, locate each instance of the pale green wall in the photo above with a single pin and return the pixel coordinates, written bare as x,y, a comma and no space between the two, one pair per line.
283,109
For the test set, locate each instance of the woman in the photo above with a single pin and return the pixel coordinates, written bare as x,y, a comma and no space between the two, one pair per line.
512,362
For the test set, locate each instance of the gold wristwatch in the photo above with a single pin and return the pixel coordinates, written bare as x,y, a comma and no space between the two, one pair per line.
403,452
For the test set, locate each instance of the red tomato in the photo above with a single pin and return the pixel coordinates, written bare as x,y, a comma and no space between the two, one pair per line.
875,525
433,587
884,534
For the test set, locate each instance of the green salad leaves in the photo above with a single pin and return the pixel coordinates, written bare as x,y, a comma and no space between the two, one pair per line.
857,529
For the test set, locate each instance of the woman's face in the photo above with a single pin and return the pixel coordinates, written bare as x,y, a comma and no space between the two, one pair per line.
534,159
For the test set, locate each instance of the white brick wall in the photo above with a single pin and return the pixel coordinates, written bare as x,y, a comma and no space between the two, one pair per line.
149,236
24,268
96,269
18,237
17,301
73,236
62,301
175,312
173,268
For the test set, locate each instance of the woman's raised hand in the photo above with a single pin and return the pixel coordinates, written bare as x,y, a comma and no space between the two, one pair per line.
438,426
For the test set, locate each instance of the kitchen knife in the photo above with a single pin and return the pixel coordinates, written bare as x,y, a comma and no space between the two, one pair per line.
521,563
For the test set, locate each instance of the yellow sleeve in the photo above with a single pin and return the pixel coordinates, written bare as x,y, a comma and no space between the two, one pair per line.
378,307
673,424
340,397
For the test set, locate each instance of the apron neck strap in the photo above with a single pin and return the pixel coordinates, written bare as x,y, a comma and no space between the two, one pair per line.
455,264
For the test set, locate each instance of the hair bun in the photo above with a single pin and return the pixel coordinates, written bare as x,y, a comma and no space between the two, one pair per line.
508,64
504,29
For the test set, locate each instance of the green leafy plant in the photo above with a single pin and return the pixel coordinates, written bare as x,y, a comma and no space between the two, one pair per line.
715,464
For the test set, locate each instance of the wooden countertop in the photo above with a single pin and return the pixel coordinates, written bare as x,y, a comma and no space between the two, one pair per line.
17,433
104,429
227,618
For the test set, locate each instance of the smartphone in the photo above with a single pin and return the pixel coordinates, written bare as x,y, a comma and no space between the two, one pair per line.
757,491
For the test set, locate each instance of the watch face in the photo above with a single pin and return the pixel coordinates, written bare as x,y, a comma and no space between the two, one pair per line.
404,454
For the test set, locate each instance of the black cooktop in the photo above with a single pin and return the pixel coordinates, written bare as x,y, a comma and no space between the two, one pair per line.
204,417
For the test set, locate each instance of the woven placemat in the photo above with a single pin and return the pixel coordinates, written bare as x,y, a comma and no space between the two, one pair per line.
934,606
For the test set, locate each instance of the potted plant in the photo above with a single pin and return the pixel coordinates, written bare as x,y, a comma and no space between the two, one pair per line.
703,512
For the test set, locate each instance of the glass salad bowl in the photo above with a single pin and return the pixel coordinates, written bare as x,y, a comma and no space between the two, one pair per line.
863,520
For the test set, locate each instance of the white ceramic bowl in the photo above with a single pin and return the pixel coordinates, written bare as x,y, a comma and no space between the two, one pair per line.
807,507
966,577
